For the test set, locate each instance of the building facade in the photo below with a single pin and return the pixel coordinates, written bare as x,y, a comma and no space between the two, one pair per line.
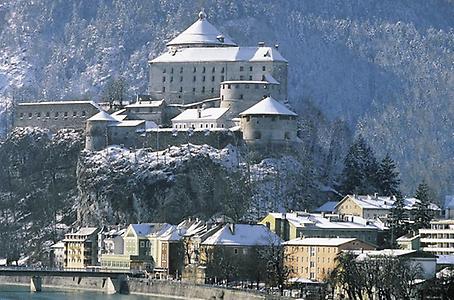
55,115
439,238
315,258
81,248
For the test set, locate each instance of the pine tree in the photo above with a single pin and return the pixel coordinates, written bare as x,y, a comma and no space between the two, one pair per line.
397,226
388,177
423,215
360,169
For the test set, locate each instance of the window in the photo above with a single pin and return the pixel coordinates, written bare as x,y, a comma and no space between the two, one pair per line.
163,79
250,77
194,70
213,70
74,113
228,86
163,89
66,114
164,71
250,68
171,71
30,115
235,250
193,90
181,89
83,113
194,78
203,78
203,70
181,70
222,70
38,114
312,264
222,78
263,68
203,89
47,114
171,78
142,244
212,78
181,78
241,68
212,90
241,96
241,77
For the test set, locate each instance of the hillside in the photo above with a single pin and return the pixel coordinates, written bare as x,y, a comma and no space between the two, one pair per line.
383,67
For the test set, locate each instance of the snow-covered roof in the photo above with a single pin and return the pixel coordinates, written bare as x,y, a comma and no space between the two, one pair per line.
268,106
327,206
445,260
142,229
103,116
84,231
59,244
380,202
201,33
243,235
302,219
210,54
319,241
207,114
128,123
138,104
364,254
61,102
248,82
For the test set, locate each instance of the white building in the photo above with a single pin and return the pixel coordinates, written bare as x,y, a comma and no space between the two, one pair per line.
209,118
439,238
201,57
58,255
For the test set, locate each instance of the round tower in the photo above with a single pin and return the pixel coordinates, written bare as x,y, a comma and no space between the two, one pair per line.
268,122
97,131
241,95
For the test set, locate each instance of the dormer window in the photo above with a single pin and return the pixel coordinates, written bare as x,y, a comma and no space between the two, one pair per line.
164,71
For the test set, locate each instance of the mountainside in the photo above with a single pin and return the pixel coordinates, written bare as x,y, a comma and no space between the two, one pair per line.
383,67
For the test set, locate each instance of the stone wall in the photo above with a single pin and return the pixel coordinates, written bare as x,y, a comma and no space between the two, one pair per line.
176,289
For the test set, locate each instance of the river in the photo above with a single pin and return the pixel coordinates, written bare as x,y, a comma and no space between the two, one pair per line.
16,292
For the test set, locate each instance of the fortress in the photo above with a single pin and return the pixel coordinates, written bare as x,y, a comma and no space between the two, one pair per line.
203,89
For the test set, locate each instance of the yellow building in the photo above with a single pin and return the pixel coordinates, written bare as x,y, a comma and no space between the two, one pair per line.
81,248
315,258
301,224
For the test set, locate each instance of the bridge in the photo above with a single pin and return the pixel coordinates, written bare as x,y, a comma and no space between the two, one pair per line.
113,282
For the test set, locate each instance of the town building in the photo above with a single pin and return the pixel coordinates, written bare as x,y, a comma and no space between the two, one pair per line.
409,241
237,246
425,262
439,238
373,207
302,224
448,207
81,248
315,258
55,115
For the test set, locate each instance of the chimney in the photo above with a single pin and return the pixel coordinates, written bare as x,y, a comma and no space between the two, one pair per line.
375,195
232,228
199,113
276,46
261,44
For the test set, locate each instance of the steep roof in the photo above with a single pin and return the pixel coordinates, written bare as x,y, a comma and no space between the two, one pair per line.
215,54
268,106
319,241
103,116
380,202
212,113
328,206
243,235
201,33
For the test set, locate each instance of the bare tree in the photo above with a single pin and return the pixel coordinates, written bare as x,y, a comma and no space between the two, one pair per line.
115,92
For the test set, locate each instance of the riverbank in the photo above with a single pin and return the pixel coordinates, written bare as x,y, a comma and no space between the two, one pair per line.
139,286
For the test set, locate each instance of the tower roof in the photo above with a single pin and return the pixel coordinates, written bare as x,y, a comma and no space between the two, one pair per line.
103,116
201,33
268,106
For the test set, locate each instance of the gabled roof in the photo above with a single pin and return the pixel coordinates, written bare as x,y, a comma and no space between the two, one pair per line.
201,33
215,54
380,202
268,106
329,206
103,116
212,113
243,235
